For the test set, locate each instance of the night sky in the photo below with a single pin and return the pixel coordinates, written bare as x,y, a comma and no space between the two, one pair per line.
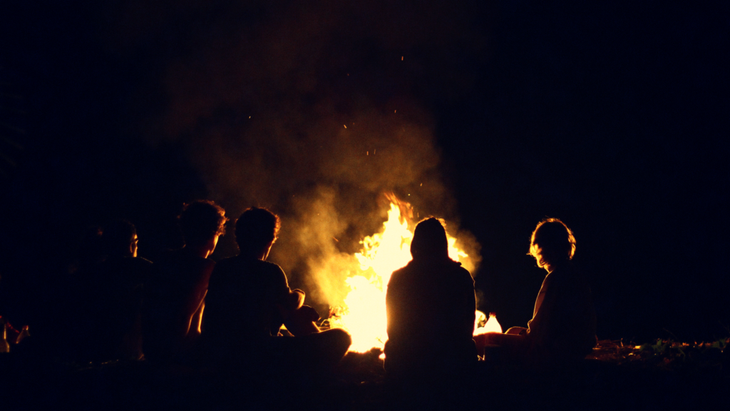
492,115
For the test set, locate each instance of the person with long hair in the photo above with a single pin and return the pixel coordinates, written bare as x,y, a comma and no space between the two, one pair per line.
430,305
563,324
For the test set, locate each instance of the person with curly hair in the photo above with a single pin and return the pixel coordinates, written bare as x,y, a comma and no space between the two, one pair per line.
250,300
563,324
175,295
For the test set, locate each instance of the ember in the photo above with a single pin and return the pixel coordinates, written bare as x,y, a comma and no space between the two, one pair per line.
363,313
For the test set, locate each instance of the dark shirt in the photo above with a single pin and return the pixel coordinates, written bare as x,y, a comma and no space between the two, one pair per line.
172,297
242,306
114,308
431,308
564,320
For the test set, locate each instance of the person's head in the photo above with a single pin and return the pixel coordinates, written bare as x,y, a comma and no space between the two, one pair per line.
119,239
429,240
256,231
552,243
202,222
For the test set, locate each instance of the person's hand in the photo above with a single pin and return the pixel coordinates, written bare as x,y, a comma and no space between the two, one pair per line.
516,331
302,321
308,313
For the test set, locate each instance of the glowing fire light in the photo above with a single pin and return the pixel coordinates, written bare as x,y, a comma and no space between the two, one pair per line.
363,314
490,326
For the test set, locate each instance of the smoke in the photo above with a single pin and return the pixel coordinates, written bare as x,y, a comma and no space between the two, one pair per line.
311,109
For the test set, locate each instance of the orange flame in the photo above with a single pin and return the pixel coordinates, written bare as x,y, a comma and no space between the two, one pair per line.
490,326
363,314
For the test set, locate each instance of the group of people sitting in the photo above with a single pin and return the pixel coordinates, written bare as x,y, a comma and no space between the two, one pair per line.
431,309
186,309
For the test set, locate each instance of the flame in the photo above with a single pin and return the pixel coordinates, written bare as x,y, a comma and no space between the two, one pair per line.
363,313
490,326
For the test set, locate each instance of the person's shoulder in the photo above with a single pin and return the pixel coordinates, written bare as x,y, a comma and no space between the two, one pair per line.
403,270
404,274
462,273
565,272
171,258
129,262
239,263
226,264
456,266
208,263
269,267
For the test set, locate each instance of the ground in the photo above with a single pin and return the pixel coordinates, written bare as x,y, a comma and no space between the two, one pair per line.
663,375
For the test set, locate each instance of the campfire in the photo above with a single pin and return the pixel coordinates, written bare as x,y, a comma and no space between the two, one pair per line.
483,325
363,312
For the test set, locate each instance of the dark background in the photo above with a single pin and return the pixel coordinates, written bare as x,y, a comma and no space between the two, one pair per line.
612,117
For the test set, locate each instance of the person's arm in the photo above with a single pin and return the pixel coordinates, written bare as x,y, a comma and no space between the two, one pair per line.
286,301
195,303
470,305
302,321
541,326
196,321
293,301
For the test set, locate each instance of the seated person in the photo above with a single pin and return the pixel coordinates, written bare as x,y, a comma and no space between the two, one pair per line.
430,306
563,325
112,298
175,295
248,301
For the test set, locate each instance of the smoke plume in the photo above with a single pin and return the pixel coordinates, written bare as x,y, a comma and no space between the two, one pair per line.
313,110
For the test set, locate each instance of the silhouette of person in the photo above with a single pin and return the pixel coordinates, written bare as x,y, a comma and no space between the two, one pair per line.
175,295
115,294
430,305
563,325
248,301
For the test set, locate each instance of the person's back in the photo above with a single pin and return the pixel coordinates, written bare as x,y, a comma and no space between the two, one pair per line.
242,304
248,301
564,324
114,297
430,318
121,294
431,308
175,296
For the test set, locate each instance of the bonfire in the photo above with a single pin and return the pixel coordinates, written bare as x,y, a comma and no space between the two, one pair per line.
363,312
